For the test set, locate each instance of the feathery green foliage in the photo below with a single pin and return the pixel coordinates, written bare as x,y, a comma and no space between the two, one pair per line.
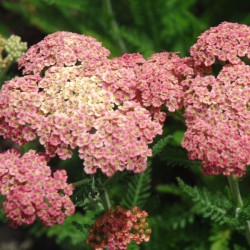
177,156
161,144
138,190
213,206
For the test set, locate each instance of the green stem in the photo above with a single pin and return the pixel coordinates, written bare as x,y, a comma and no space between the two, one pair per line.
114,25
81,182
105,200
234,187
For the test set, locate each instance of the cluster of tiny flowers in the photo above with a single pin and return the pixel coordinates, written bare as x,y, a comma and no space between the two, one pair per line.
153,83
119,76
228,42
158,83
13,48
30,191
117,228
62,49
71,107
217,112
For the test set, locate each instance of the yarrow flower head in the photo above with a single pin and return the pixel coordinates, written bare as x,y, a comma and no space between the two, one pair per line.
159,82
217,112
72,106
117,228
30,191
228,42
62,49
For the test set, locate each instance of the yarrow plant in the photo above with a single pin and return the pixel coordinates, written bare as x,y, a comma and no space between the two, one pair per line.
73,98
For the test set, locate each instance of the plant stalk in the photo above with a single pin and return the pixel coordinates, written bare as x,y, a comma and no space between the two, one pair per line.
105,200
81,182
235,190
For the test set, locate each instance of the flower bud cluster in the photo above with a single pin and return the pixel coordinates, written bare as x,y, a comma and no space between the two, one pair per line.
13,47
117,228
30,191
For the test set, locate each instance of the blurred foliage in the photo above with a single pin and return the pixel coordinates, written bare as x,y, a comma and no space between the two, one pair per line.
129,25
182,216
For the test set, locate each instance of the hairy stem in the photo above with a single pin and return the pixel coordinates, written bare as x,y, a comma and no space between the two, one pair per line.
234,187
114,25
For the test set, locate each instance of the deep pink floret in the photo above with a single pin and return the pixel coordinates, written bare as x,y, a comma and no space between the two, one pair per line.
117,228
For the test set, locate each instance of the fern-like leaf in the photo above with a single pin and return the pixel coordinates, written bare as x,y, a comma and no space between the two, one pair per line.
176,156
161,144
213,206
138,190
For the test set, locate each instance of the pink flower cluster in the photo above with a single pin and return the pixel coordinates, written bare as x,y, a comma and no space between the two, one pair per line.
62,49
74,97
70,107
117,228
30,191
159,81
228,42
217,109
120,76
217,116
